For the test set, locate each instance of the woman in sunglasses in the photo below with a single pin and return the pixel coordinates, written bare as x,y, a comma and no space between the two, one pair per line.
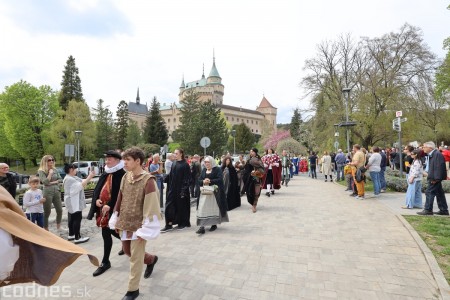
50,178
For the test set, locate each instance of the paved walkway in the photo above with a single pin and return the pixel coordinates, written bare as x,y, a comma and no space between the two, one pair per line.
309,241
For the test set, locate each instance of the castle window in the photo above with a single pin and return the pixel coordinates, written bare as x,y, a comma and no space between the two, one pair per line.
252,121
232,119
247,121
174,119
168,120
227,118
256,122
256,130
252,130
237,119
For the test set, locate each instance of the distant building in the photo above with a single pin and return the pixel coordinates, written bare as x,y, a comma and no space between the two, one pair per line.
210,89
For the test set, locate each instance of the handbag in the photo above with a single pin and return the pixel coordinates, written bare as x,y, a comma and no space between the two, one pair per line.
102,219
207,190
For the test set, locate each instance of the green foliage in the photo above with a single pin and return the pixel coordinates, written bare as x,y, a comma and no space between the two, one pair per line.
295,126
173,146
245,139
70,84
149,148
121,124
134,136
104,124
155,130
27,112
185,134
76,117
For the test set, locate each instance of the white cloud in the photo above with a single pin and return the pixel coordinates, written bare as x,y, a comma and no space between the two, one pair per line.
260,46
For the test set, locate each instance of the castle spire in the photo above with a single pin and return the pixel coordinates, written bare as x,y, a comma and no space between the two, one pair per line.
182,83
203,74
214,72
138,99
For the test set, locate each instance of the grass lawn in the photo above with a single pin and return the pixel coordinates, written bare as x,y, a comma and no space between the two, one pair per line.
435,232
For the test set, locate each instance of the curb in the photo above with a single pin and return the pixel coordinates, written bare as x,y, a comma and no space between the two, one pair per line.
444,288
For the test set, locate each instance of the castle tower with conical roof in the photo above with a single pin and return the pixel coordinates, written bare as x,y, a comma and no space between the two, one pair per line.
269,112
208,89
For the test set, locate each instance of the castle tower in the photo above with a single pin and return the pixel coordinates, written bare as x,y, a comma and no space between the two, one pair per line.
138,99
214,82
269,112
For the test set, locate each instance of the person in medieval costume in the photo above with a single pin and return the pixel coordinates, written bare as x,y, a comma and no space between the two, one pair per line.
285,168
253,173
271,181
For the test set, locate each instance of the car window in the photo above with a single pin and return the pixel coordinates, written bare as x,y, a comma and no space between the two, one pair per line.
83,165
94,164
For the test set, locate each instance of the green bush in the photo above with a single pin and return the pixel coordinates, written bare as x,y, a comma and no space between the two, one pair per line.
394,182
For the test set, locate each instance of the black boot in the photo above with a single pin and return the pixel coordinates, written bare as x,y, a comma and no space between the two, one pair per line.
131,295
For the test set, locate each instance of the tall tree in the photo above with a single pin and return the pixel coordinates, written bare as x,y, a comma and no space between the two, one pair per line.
189,117
245,139
295,125
121,124
76,117
134,135
104,123
27,112
70,84
155,130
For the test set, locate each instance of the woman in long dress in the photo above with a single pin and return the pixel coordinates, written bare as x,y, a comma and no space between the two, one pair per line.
230,182
253,171
212,207
326,166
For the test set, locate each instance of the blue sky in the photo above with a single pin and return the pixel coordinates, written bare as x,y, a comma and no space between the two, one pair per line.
260,46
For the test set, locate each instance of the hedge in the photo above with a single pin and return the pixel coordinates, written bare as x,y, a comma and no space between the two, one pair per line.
394,182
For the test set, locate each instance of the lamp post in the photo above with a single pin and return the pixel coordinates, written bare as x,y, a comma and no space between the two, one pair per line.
346,92
233,133
78,135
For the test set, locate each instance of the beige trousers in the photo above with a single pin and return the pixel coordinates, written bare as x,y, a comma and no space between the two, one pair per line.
138,257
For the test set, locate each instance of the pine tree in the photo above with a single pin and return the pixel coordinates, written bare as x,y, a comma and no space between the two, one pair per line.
295,126
189,117
210,123
121,124
105,128
134,136
245,139
70,84
155,130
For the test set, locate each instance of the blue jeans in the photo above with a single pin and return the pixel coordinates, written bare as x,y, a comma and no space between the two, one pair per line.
382,179
414,194
340,172
375,176
37,218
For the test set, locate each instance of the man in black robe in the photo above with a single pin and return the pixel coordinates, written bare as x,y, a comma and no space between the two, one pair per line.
113,173
178,202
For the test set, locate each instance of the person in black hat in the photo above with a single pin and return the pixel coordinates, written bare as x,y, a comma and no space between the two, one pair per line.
103,202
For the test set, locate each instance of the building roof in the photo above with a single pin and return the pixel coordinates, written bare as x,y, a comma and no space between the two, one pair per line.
235,108
265,103
214,72
197,83
137,108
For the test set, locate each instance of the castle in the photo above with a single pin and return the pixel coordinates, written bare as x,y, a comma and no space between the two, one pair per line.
210,89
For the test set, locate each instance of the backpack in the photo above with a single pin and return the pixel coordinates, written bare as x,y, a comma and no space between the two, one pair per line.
359,175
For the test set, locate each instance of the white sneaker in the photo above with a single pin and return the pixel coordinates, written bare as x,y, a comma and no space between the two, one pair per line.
82,240
359,197
70,237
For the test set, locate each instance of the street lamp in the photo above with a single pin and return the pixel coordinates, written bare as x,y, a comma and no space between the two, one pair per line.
233,133
78,135
346,92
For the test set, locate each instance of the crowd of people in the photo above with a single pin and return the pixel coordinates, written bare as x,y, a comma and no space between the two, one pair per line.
128,201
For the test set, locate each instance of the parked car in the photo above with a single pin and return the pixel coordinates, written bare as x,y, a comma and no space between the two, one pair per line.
86,166
61,172
25,178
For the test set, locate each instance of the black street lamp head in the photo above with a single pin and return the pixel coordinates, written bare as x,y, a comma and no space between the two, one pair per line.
346,90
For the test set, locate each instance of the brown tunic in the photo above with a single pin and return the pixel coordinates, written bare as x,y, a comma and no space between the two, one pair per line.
138,199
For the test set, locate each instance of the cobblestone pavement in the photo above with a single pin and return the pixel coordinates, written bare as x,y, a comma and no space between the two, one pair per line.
308,241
